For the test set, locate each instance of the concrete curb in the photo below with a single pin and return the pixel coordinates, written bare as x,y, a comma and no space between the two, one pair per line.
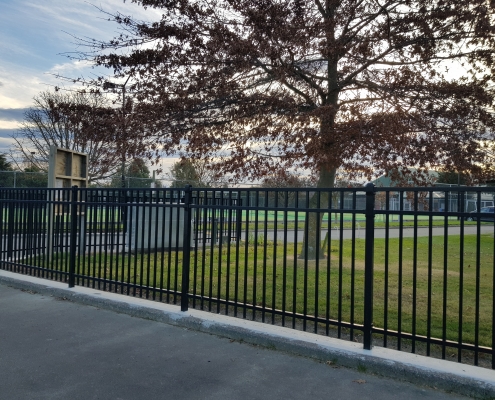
446,375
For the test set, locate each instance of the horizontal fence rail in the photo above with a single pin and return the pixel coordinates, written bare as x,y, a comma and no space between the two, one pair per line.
404,268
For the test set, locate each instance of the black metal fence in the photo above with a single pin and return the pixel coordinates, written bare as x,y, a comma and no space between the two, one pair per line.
406,268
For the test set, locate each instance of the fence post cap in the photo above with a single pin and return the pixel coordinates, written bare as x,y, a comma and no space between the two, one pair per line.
369,188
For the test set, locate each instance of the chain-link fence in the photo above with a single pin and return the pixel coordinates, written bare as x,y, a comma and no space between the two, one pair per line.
132,182
19,179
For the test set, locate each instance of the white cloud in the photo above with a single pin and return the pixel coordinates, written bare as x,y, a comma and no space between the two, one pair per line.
5,144
21,84
82,18
13,45
9,124
35,34
11,97
72,66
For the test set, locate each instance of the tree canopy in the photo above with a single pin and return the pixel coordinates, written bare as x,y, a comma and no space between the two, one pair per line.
138,169
453,178
184,173
316,84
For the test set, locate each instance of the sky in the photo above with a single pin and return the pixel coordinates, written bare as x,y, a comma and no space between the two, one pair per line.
36,37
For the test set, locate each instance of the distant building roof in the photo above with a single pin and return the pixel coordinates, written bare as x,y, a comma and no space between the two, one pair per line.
386,180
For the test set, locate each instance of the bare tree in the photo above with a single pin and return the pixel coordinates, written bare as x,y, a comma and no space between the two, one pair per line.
78,121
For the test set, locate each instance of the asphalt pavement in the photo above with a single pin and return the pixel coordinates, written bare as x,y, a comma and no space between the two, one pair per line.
51,348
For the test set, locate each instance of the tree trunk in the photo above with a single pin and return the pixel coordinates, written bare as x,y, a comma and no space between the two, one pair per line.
312,230
327,169
330,160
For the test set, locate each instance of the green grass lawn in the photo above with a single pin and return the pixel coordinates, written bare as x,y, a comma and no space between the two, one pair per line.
416,278
274,277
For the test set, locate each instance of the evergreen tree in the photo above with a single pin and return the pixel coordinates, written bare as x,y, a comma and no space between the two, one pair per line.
184,173
137,175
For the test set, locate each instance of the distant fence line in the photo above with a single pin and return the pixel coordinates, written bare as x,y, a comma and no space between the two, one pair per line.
404,268
21,179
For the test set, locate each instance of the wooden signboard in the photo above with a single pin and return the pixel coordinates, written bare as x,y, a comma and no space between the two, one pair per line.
67,168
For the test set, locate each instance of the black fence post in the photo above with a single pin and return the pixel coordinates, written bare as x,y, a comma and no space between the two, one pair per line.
186,244
11,225
238,219
368,265
73,235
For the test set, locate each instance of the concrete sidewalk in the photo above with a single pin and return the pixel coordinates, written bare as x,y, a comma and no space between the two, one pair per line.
60,349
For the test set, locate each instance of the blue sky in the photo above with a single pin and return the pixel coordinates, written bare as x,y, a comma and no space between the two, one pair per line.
34,35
